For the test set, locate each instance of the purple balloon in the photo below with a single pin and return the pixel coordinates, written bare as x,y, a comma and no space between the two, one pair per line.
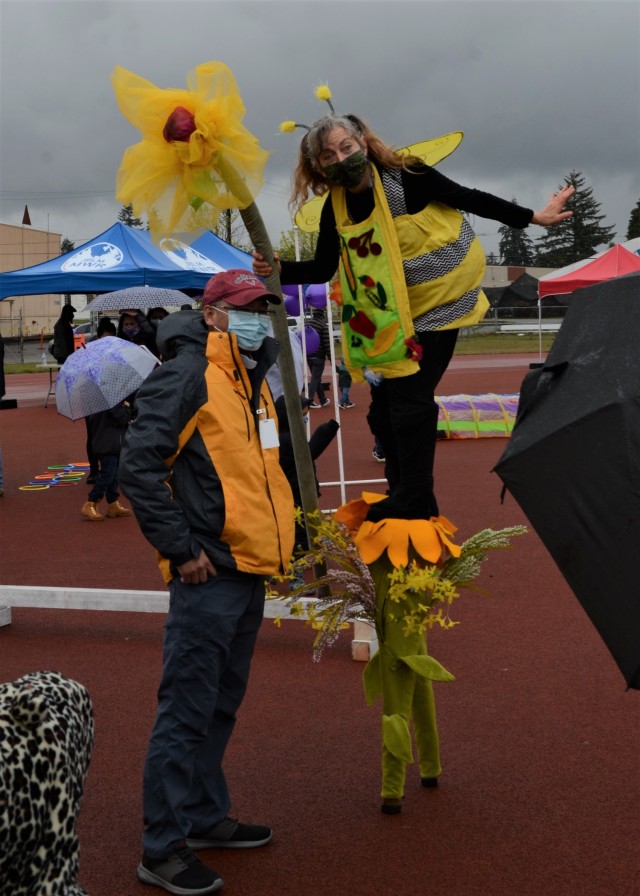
311,339
316,295
291,290
292,305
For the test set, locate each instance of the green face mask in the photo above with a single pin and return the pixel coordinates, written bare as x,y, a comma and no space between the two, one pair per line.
347,173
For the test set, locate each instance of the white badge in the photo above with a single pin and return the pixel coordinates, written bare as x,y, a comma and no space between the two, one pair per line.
268,433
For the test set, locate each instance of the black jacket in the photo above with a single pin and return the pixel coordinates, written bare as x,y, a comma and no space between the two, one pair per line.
63,344
321,438
193,465
107,429
421,186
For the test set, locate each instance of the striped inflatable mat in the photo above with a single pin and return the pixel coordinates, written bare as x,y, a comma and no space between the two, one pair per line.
476,416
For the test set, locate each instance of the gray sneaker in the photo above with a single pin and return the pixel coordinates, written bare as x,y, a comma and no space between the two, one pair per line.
181,873
231,834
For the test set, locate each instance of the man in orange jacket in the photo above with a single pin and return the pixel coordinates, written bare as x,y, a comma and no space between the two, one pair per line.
200,467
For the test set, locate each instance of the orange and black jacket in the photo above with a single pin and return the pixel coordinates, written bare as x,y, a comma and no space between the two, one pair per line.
192,464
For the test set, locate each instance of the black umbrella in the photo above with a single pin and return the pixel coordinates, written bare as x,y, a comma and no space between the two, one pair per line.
573,460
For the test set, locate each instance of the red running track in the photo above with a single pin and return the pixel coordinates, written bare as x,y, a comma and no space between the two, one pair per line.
540,792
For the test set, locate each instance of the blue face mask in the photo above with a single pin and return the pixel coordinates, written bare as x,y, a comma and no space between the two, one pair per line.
250,328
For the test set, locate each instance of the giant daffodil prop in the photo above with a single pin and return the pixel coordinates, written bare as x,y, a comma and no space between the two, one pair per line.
195,160
402,576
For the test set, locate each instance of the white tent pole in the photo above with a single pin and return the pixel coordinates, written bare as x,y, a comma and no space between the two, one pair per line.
540,329
300,316
336,397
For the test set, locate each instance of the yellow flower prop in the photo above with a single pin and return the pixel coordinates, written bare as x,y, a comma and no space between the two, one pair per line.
402,576
428,537
354,513
423,569
195,159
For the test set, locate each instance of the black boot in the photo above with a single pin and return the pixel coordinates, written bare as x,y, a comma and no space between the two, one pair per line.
405,503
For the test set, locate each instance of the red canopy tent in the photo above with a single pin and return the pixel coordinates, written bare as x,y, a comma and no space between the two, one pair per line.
613,263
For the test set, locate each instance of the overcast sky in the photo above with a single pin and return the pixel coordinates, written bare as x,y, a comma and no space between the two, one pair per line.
538,88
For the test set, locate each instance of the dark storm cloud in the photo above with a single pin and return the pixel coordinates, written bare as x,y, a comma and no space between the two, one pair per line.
539,89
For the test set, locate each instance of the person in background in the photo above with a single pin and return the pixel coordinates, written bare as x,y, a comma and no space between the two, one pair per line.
344,384
411,270
63,344
200,467
378,451
155,315
321,438
317,359
274,378
106,431
106,327
134,327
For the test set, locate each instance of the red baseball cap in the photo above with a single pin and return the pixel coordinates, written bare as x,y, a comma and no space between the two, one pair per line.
238,288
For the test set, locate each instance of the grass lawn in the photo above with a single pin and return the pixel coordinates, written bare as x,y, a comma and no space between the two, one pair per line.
502,343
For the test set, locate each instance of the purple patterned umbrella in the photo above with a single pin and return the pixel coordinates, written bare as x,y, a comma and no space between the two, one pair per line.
100,375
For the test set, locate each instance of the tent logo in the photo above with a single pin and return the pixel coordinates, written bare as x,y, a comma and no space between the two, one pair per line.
96,257
188,258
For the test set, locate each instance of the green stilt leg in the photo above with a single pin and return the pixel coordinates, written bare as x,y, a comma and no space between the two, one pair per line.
401,672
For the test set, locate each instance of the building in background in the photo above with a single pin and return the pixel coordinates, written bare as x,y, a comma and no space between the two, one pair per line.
20,247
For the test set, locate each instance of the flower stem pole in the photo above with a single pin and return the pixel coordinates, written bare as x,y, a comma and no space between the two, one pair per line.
257,231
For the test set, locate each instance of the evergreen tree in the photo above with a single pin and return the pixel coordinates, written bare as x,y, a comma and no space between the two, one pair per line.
633,230
578,237
516,246
127,217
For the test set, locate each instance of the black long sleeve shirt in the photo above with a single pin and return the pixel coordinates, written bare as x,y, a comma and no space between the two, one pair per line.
421,185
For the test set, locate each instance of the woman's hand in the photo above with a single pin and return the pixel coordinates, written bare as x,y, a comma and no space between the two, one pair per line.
553,212
261,268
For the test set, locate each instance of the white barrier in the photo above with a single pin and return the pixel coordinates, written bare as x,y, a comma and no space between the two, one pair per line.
363,645
550,327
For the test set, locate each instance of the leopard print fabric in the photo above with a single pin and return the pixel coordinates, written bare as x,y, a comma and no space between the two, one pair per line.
46,736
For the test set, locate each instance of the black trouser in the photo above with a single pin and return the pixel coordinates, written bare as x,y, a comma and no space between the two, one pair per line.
403,415
316,366
92,457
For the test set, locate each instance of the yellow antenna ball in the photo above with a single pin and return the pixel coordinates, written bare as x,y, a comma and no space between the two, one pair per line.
323,93
287,127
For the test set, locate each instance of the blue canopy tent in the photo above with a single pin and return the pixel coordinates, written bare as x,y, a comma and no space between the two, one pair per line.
123,256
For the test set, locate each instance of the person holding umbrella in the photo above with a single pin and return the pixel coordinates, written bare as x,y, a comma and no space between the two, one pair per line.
411,271
105,434
134,327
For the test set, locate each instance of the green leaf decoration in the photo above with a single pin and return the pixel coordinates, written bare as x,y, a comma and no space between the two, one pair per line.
372,679
396,737
347,312
427,667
